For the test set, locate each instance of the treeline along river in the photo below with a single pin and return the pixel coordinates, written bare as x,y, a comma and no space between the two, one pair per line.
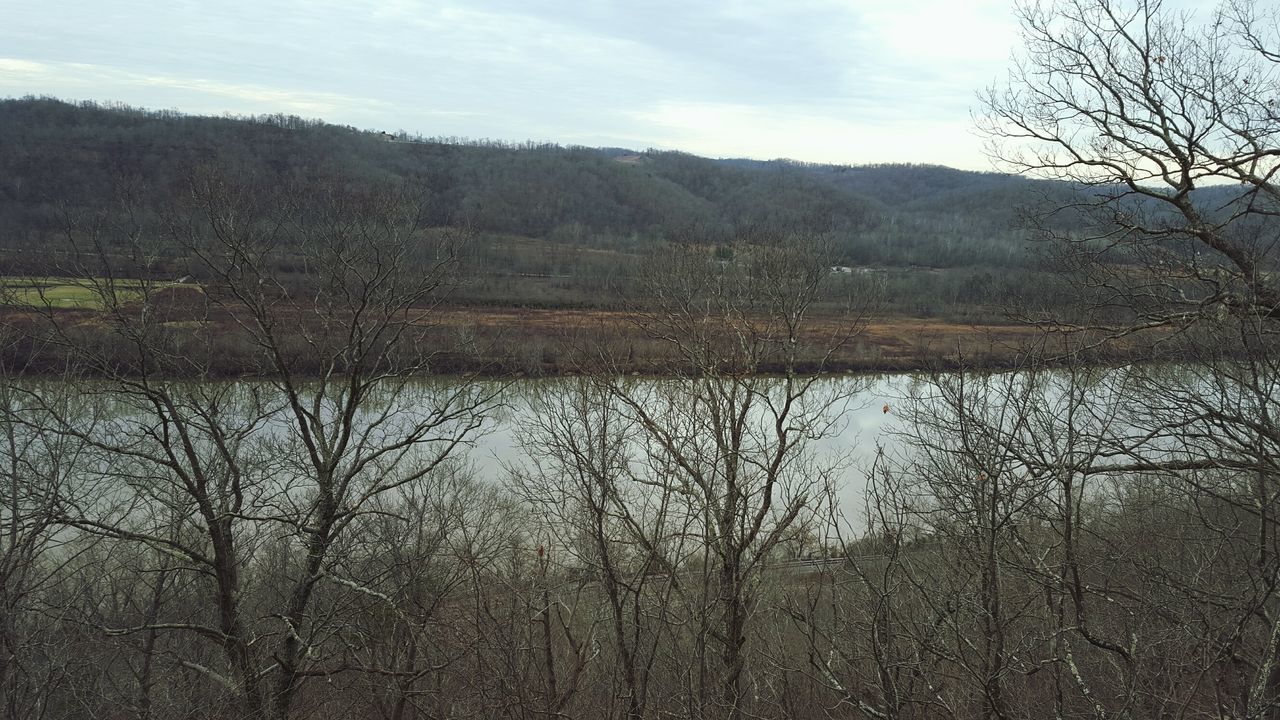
465,549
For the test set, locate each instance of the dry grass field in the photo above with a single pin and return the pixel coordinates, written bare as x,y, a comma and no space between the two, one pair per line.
501,340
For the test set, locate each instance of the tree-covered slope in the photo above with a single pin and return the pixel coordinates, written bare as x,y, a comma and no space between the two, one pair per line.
56,155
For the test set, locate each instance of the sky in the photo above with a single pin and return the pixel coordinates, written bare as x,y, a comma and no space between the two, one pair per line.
848,81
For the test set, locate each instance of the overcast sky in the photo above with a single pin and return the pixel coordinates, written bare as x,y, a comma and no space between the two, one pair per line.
852,81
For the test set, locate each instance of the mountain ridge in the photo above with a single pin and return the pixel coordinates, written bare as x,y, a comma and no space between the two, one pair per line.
888,215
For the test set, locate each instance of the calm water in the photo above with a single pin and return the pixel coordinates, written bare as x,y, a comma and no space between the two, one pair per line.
860,425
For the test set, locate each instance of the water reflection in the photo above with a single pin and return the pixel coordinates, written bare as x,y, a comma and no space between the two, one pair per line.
869,413
857,429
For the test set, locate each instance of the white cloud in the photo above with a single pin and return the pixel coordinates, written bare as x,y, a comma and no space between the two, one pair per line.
58,78
765,132
946,34
821,80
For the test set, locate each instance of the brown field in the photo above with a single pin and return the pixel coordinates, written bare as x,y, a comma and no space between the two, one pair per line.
514,341
881,343
900,338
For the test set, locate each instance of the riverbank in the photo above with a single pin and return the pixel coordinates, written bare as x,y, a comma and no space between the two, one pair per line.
489,341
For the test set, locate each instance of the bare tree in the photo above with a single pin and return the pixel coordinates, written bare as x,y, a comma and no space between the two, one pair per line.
584,474
38,468
337,421
1168,125
1151,113
731,445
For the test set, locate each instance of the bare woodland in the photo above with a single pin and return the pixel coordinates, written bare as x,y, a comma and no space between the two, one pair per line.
1064,540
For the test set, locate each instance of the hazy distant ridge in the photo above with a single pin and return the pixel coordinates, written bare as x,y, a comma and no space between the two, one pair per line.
57,153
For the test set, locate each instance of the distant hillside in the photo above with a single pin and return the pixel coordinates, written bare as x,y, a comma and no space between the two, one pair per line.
57,154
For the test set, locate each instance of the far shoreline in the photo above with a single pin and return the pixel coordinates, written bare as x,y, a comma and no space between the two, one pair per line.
517,343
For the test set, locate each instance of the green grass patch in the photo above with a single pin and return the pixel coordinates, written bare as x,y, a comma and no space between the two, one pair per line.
77,293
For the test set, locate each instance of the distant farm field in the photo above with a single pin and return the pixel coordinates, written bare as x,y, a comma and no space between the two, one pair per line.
75,293
494,339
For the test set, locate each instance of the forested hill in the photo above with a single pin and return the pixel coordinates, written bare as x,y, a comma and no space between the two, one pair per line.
56,155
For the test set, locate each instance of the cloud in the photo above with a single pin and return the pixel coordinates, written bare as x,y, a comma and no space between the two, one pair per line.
768,132
839,80
76,78
943,34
